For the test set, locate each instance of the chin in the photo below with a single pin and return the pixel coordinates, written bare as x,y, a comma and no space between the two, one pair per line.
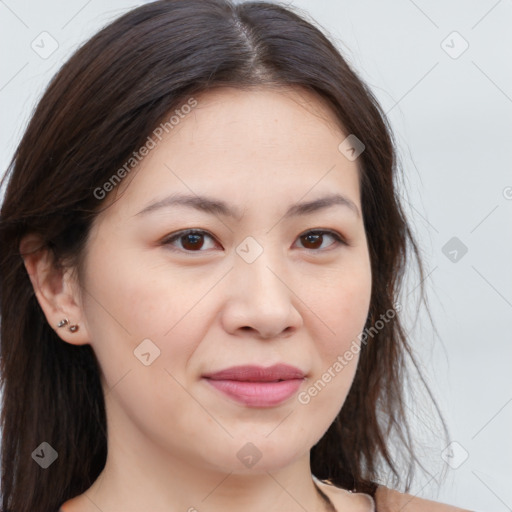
261,454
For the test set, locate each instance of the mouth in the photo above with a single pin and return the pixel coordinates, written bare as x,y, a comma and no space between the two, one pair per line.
256,386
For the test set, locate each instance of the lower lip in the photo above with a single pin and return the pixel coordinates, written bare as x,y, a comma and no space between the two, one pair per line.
258,394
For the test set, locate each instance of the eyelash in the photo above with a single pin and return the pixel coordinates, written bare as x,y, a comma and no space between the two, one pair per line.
176,236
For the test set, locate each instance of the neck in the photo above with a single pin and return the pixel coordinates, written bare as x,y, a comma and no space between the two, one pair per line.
148,478
193,489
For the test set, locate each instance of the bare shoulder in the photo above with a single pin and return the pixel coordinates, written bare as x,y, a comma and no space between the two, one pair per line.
78,504
345,500
389,500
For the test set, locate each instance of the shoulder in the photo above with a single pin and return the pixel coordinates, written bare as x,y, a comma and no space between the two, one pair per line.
389,500
345,500
386,500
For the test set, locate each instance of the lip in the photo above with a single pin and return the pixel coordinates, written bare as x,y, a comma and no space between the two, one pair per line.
256,386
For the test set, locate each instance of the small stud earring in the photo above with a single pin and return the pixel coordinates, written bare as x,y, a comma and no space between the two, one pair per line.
73,328
63,322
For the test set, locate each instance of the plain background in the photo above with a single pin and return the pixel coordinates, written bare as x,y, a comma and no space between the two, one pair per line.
442,72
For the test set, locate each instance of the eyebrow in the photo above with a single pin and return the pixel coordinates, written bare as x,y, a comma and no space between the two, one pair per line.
218,207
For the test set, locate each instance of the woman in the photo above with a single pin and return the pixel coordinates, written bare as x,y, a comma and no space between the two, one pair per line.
201,254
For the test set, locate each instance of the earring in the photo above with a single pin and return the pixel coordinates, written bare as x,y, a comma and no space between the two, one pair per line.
65,321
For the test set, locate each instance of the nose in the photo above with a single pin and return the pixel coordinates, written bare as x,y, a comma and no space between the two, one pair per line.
261,301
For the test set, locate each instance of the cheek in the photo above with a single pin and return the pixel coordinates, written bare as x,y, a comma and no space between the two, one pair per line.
343,301
344,304
338,355
132,310
129,301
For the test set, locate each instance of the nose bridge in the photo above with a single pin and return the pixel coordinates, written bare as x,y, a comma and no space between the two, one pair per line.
259,297
261,272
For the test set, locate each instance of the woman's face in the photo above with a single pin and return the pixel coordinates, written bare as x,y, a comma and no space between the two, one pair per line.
264,281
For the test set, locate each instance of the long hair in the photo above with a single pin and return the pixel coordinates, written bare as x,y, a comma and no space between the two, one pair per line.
97,110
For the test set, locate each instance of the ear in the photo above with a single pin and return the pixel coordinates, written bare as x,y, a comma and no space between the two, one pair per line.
56,290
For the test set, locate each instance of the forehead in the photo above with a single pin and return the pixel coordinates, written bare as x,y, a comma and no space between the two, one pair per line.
243,142
258,106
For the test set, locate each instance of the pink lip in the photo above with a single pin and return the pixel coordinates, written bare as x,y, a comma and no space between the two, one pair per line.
256,386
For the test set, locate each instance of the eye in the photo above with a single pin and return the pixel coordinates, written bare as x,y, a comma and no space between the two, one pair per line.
315,239
196,240
190,240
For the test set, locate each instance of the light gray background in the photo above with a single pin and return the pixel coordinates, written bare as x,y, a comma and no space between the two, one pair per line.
452,117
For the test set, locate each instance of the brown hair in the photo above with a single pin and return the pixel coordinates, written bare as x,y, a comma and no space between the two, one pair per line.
97,110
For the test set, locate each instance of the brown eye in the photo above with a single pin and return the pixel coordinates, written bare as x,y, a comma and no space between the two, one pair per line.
190,241
312,241
315,239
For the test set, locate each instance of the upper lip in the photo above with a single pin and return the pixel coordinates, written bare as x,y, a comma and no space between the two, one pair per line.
252,373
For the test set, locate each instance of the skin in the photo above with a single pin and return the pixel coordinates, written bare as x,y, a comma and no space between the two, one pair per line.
172,438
